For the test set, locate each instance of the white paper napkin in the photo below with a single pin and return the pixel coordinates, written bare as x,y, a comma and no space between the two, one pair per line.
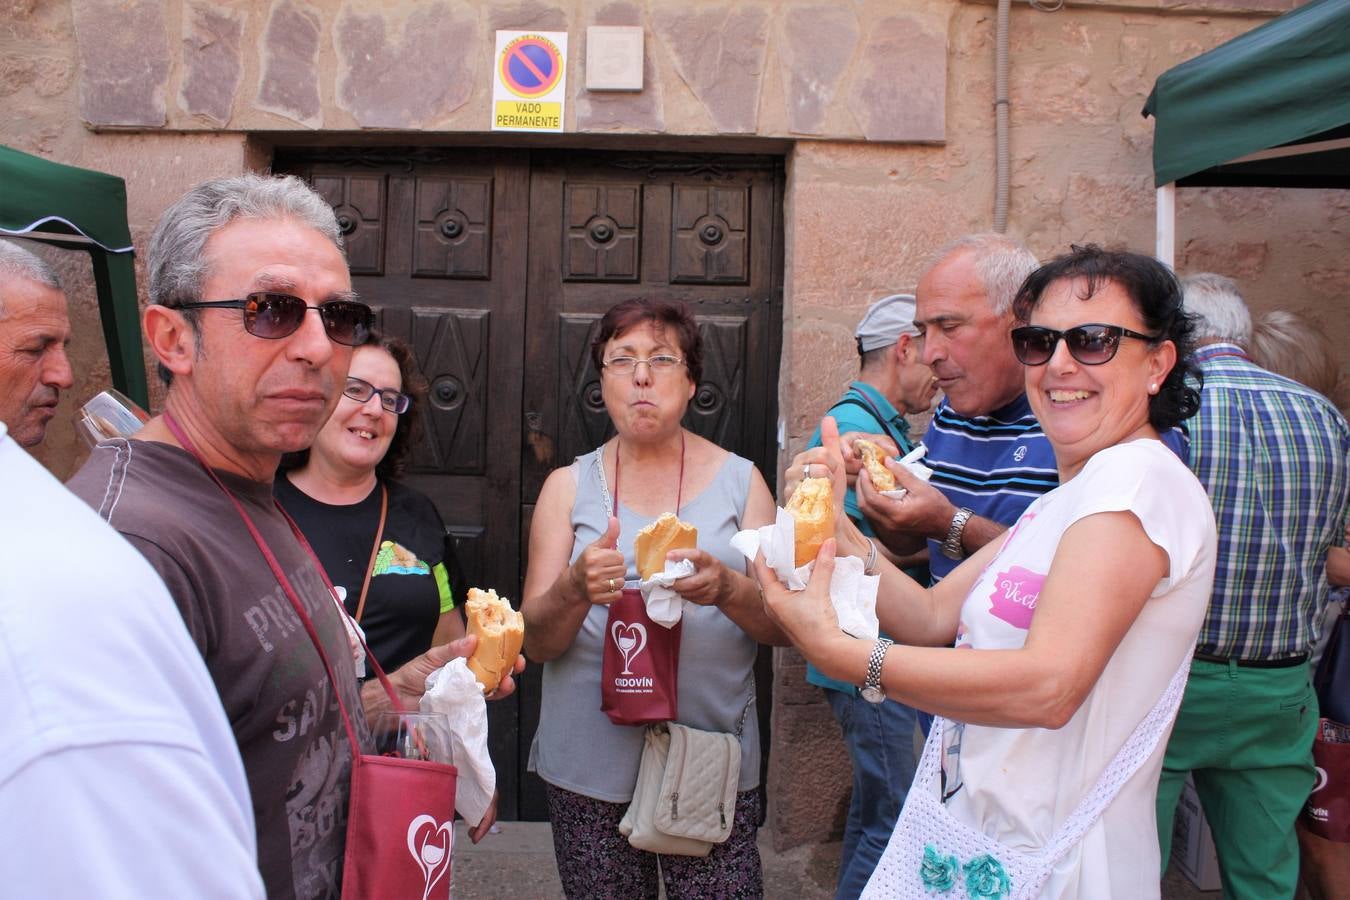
664,606
454,691
911,462
852,593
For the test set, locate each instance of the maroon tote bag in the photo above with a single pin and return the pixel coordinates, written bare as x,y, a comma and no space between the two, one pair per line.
639,671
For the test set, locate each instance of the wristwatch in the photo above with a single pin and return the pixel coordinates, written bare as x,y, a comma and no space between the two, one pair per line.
872,691
951,546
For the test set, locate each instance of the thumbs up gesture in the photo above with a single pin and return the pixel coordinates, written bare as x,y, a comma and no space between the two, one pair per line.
599,571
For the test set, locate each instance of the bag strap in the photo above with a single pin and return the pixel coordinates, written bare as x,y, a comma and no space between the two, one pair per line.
374,551
289,590
862,401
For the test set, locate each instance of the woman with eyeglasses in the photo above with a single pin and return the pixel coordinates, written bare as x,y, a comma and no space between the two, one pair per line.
382,543
1055,657
649,358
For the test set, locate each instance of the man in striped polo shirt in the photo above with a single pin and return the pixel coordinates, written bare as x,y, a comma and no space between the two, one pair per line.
988,455
1273,456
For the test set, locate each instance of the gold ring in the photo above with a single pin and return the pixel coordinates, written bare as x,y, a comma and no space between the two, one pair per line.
611,585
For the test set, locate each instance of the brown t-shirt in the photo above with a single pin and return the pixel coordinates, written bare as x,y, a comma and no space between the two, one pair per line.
271,681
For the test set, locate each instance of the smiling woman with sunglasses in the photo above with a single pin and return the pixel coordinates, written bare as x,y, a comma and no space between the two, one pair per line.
380,541
1072,633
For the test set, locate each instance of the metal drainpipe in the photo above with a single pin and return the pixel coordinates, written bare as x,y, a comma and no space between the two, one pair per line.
1001,173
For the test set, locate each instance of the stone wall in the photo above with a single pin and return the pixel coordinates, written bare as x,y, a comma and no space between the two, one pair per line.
886,107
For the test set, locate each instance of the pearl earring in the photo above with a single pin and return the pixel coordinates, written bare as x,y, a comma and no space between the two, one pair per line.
1153,388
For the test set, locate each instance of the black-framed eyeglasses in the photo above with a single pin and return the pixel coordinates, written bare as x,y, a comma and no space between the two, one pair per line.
273,316
626,365
360,390
1092,344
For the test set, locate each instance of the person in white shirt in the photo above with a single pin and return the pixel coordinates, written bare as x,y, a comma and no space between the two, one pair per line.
1073,631
119,774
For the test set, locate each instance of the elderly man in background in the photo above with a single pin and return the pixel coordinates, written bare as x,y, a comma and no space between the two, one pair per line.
252,319
34,332
1274,457
892,382
988,455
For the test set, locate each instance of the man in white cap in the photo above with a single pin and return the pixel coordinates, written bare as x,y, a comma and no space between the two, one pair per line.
892,382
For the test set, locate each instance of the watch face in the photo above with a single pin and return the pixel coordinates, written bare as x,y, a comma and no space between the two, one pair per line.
872,694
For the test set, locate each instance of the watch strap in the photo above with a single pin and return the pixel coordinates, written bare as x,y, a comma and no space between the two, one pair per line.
874,663
952,547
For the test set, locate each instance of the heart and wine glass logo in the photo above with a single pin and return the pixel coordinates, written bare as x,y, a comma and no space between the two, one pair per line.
429,843
630,638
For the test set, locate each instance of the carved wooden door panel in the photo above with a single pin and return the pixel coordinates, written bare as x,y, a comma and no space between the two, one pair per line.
496,267
608,227
436,244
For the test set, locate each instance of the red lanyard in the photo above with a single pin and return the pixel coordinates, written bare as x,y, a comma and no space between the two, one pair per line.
285,582
679,491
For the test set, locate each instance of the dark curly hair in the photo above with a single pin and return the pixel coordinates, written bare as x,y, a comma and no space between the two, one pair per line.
1156,295
622,317
409,424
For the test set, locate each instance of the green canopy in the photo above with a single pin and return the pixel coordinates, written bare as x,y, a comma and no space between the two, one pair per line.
82,210
1269,108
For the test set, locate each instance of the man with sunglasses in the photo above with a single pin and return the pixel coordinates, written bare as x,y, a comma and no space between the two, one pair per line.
252,319
989,457
1274,457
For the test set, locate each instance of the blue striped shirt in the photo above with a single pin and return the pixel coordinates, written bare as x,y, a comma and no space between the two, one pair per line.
995,465
1274,457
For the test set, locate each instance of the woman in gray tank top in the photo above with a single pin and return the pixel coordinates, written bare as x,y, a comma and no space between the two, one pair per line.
581,554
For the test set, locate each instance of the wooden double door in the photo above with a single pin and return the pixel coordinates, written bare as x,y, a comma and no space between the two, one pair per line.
496,266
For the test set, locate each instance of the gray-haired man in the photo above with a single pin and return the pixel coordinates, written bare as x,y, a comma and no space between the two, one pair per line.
34,332
252,319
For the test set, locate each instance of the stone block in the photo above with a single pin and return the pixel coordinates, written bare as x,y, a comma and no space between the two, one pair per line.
640,111
1244,261
212,62
817,44
718,52
400,71
809,776
290,63
899,90
525,15
1062,93
124,62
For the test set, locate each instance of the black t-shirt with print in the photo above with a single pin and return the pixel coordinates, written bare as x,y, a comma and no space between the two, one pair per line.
404,600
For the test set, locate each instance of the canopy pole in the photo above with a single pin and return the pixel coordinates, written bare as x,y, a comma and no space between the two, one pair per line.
1166,247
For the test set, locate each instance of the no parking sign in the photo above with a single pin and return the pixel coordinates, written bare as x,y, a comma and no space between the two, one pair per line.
529,81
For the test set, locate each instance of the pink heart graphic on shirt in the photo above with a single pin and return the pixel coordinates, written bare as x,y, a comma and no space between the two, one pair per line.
630,638
1014,596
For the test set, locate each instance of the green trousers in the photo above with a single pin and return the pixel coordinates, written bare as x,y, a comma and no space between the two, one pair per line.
1246,735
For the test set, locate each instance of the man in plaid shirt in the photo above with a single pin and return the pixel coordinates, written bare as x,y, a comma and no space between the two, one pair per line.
1275,459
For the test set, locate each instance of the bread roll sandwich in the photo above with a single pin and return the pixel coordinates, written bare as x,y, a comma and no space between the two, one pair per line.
872,457
812,506
653,543
500,630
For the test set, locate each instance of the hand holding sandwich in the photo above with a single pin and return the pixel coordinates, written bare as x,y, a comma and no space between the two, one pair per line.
410,679
710,585
599,572
852,445
827,461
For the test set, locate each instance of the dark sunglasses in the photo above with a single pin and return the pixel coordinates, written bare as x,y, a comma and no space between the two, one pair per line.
275,316
1091,345
361,391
